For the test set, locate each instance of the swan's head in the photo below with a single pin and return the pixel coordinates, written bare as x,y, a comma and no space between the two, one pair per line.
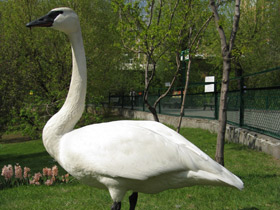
63,19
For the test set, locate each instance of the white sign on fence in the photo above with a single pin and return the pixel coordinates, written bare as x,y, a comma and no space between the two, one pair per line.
209,88
167,84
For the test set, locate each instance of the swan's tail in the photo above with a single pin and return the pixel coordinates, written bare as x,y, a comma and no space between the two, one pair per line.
223,178
230,179
209,172
216,175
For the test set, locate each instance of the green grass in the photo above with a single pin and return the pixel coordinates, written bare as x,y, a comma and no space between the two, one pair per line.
259,172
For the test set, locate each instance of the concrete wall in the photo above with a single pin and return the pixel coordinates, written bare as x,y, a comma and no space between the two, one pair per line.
234,134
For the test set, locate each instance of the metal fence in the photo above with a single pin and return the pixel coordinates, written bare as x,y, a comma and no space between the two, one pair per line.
256,109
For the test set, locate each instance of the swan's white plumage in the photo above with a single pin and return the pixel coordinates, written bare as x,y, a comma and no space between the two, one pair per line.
142,156
121,153
155,151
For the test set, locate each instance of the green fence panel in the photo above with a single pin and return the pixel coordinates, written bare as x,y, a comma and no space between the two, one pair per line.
257,109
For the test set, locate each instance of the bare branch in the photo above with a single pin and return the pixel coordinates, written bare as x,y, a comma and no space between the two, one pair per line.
203,27
185,94
224,46
131,49
153,74
235,24
169,26
159,13
172,15
151,14
173,80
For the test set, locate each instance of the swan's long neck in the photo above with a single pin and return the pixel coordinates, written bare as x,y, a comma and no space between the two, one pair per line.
65,120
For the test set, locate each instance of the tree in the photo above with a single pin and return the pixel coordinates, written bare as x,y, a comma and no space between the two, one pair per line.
191,43
226,49
156,29
257,46
36,66
145,28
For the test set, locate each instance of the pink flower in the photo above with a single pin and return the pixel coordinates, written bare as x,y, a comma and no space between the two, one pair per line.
65,178
47,171
55,170
49,182
25,173
7,172
18,171
36,179
4,169
37,176
10,168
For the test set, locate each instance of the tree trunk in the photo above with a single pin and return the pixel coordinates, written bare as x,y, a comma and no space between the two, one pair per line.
154,112
226,54
190,45
184,96
148,80
223,112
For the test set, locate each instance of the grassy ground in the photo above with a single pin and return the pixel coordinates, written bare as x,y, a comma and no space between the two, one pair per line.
259,172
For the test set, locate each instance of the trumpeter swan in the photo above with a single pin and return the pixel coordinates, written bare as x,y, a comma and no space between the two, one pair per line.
121,156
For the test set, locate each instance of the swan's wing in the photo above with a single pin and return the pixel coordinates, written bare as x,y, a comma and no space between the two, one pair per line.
131,150
169,134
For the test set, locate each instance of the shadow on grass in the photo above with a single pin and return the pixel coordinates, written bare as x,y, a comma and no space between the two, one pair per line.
236,146
36,161
259,176
12,157
250,208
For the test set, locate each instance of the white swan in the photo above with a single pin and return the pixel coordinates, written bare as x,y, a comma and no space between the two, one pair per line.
121,156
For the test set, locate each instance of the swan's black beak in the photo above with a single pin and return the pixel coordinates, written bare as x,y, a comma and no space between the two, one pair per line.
45,21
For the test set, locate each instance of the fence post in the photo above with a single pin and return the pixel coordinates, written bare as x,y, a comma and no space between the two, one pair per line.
241,98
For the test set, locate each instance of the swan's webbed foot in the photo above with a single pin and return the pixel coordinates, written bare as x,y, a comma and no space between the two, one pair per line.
133,200
116,206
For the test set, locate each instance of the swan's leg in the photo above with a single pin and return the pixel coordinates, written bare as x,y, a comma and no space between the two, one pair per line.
133,200
117,195
116,206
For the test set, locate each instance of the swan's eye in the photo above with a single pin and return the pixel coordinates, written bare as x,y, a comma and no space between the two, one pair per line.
54,14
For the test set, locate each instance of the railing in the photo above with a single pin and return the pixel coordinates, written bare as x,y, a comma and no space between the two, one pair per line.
256,109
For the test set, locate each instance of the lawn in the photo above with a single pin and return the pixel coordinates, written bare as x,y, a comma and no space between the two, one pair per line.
259,172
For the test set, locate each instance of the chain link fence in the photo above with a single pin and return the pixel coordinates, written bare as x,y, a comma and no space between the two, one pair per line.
254,108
